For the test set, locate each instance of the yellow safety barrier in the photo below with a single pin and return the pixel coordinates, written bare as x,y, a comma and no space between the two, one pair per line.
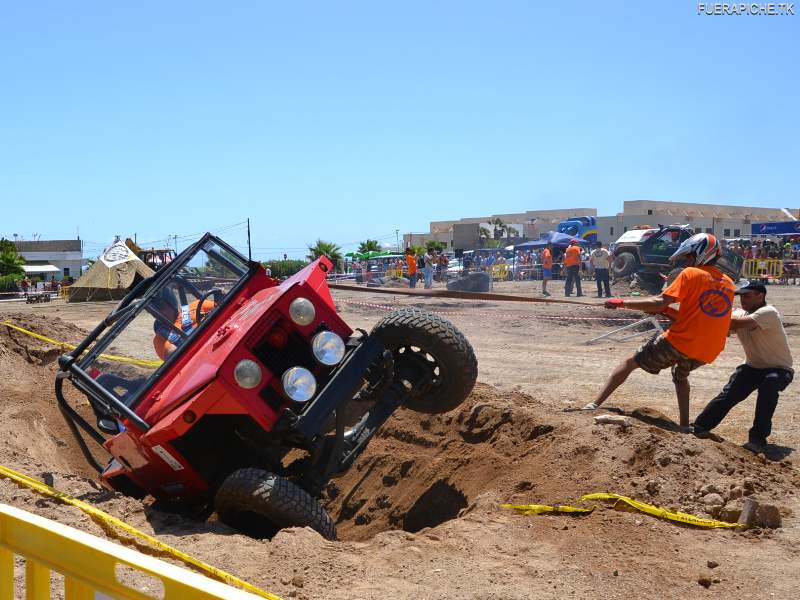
111,357
762,268
90,565
394,273
499,272
620,503
112,522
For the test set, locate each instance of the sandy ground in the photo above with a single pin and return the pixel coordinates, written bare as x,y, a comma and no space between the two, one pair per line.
418,513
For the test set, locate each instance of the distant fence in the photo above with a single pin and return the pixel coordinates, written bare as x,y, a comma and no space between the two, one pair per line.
91,568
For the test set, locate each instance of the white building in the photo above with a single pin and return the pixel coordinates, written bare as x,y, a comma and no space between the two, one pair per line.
48,258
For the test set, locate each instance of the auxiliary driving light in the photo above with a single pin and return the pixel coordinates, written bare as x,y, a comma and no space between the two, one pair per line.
299,384
247,373
302,311
328,348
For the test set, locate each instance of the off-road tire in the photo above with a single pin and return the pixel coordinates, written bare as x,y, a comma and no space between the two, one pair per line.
624,264
260,503
453,354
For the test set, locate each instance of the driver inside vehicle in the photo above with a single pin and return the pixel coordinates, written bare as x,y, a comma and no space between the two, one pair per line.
183,317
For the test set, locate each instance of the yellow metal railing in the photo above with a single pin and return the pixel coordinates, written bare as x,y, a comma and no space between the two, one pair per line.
89,565
764,268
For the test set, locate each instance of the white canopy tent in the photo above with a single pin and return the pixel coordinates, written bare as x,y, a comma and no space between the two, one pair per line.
40,269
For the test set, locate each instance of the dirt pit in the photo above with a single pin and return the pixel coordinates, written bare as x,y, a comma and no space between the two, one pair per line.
418,514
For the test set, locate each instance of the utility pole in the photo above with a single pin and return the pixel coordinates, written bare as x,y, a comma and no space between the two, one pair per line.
397,236
175,239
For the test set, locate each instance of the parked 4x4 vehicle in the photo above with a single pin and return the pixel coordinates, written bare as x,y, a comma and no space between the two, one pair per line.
216,387
646,252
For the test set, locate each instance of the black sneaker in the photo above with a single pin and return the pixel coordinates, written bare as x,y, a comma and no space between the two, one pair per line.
755,447
703,434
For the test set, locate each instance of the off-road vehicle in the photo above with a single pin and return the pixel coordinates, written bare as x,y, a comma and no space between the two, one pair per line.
646,253
217,387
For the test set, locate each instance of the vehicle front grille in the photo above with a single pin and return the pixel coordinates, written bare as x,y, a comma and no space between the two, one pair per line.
296,353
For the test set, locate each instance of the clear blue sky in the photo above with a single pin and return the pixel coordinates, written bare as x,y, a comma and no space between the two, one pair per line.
346,120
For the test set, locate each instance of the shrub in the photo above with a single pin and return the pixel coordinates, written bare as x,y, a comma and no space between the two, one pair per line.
285,268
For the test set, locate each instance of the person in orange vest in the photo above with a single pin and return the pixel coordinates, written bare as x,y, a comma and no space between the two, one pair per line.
547,268
699,327
572,263
167,340
411,262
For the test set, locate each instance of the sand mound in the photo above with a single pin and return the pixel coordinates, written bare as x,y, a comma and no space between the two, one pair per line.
33,433
422,471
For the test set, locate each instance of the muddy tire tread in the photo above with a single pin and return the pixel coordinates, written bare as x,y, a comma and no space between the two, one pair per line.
275,498
440,338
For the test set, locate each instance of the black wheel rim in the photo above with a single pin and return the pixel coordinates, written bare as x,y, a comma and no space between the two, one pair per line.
418,369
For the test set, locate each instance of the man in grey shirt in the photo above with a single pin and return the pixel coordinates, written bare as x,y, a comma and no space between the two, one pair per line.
767,368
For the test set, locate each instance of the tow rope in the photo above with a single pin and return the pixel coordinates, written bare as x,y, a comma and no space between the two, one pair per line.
431,293
111,357
103,518
623,503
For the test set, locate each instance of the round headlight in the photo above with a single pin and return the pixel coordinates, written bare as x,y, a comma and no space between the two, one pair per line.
328,348
302,311
299,384
247,373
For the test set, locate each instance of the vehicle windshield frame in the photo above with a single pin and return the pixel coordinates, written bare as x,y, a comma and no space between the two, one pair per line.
133,306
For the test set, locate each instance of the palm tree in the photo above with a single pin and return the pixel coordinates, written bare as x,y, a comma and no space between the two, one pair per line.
369,246
511,232
323,248
11,263
499,228
484,233
434,246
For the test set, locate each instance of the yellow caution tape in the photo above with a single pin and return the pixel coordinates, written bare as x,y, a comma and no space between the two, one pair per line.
661,513
538,509
107,519
621,502
112,357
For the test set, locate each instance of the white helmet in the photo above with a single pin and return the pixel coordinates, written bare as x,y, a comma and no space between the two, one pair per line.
704,246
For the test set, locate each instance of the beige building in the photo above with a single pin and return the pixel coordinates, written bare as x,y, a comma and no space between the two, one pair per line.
724,221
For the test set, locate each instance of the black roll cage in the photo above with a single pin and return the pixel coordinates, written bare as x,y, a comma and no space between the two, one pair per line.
72,365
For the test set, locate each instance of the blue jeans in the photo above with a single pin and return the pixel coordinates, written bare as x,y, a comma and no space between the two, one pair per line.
428,271
412,280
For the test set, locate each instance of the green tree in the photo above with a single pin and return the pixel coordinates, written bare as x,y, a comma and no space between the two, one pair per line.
417,250
323,248
484,233
11,263
7,245
499,228
434,246
285,268
369,246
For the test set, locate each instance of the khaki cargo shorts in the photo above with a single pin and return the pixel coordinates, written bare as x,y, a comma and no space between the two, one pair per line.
658,354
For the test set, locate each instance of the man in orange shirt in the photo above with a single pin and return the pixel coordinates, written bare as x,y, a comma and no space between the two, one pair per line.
412,268
699,329
547,268
572,263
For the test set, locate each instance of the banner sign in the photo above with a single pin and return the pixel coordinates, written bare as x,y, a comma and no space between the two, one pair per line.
775,228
